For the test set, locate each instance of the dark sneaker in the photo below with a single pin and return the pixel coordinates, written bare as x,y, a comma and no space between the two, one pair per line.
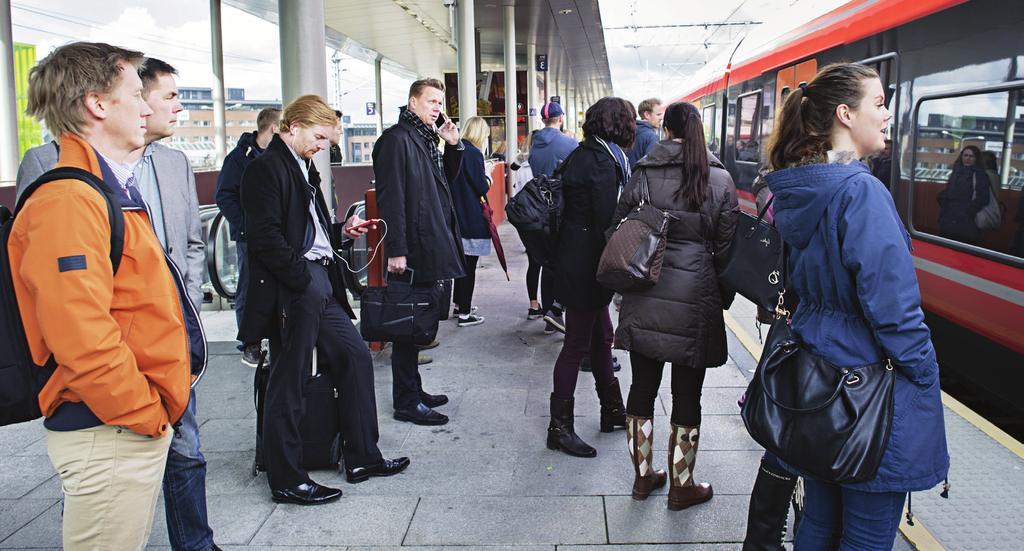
554,323
251,355
534,314
470,320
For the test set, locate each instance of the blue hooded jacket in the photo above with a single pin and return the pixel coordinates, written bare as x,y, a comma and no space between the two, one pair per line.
646,137
850,264
549,148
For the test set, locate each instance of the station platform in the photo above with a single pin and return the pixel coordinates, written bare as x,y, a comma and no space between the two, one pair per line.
486,480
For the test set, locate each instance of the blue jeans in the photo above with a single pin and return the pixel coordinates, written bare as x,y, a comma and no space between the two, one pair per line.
840,518
185,487
242,248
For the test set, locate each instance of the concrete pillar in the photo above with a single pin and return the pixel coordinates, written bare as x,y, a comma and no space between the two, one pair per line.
511,128
304,63
467,59
378,93
9,151
220,130
533,105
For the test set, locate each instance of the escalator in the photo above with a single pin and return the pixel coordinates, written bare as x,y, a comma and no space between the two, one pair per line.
220,281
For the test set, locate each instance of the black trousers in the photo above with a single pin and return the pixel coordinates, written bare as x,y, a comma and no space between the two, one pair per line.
315,319
687,383
464,286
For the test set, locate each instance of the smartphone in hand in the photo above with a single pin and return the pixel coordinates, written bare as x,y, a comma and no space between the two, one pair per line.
441,120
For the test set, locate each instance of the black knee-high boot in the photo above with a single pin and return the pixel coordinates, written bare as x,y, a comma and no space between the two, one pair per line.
769,507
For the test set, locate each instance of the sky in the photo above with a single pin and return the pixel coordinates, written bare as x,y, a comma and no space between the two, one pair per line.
661,62
179,33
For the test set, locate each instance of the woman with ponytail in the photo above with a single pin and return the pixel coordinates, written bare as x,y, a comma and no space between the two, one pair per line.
850,263
679,320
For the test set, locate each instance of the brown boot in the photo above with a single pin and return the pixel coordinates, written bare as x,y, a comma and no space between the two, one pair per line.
682,456
640,439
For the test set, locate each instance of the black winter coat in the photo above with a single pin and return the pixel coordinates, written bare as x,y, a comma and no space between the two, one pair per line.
966,193
679,320
275,198
229,180
467,188
590,188
415,200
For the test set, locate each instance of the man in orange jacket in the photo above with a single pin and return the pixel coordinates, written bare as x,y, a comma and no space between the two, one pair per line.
121,341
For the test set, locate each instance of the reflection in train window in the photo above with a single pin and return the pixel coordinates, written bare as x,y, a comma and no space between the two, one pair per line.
708,118
747,130
968,170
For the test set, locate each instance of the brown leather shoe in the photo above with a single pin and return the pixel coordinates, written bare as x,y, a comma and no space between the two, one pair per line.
680,498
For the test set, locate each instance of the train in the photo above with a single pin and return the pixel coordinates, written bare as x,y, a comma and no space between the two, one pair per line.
953,71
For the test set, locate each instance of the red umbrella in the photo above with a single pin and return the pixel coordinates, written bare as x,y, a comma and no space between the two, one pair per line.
495,239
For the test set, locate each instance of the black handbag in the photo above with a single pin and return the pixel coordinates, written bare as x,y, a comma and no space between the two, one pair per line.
754,267
401,312
830,422
632,258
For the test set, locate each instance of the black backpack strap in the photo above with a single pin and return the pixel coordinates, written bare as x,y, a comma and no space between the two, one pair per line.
114,213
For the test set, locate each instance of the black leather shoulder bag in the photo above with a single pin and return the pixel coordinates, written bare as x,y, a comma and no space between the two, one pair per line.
831,422
754,267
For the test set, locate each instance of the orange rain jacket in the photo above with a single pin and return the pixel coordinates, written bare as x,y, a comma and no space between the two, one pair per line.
120,341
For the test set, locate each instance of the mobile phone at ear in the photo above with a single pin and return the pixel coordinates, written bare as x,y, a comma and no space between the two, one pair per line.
441,119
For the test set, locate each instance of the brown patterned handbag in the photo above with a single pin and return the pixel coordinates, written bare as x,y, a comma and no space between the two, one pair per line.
631,261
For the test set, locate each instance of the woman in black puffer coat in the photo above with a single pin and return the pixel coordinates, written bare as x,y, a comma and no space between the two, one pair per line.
679,320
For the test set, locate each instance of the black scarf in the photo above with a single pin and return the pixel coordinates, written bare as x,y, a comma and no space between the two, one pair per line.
428,133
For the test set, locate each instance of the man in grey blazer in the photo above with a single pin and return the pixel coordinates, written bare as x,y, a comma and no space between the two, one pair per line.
165,179
36,161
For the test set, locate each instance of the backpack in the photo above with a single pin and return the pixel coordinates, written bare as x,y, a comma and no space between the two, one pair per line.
20,378
536,209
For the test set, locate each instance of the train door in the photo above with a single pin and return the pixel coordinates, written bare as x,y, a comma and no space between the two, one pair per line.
788,78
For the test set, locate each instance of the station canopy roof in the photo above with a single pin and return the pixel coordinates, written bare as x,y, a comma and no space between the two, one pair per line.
416,37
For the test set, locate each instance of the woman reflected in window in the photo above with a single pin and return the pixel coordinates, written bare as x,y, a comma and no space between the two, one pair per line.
966,193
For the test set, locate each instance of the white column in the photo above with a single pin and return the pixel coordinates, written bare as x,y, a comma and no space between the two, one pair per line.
533,121
220,130
8,101
467,59
304,63
379,93
511,128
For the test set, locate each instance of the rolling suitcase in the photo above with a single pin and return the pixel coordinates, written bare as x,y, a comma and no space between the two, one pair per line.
320,425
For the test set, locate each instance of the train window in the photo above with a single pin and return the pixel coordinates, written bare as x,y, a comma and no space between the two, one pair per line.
708,118
968,169
747,133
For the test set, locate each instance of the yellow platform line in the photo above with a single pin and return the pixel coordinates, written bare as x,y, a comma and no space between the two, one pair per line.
983,425
918,536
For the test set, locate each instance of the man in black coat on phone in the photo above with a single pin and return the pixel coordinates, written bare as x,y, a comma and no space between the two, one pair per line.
297,300
415,200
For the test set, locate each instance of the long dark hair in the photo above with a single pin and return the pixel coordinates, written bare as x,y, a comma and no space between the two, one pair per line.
959,164
613,120
682,120
804,127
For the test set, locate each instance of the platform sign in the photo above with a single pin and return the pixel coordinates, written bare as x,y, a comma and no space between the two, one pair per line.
533,111
542,63
346,119
556,99
371,108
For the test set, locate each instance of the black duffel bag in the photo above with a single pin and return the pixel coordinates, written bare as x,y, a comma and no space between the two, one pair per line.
754,267
401,312
830,422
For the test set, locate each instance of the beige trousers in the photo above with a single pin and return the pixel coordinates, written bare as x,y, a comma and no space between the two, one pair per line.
111,479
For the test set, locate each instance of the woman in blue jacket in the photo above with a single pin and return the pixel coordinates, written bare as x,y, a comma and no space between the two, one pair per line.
469,186
850,264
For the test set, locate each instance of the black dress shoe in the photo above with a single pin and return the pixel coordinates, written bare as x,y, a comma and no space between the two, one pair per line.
309,493
433,400
421,415
386,467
